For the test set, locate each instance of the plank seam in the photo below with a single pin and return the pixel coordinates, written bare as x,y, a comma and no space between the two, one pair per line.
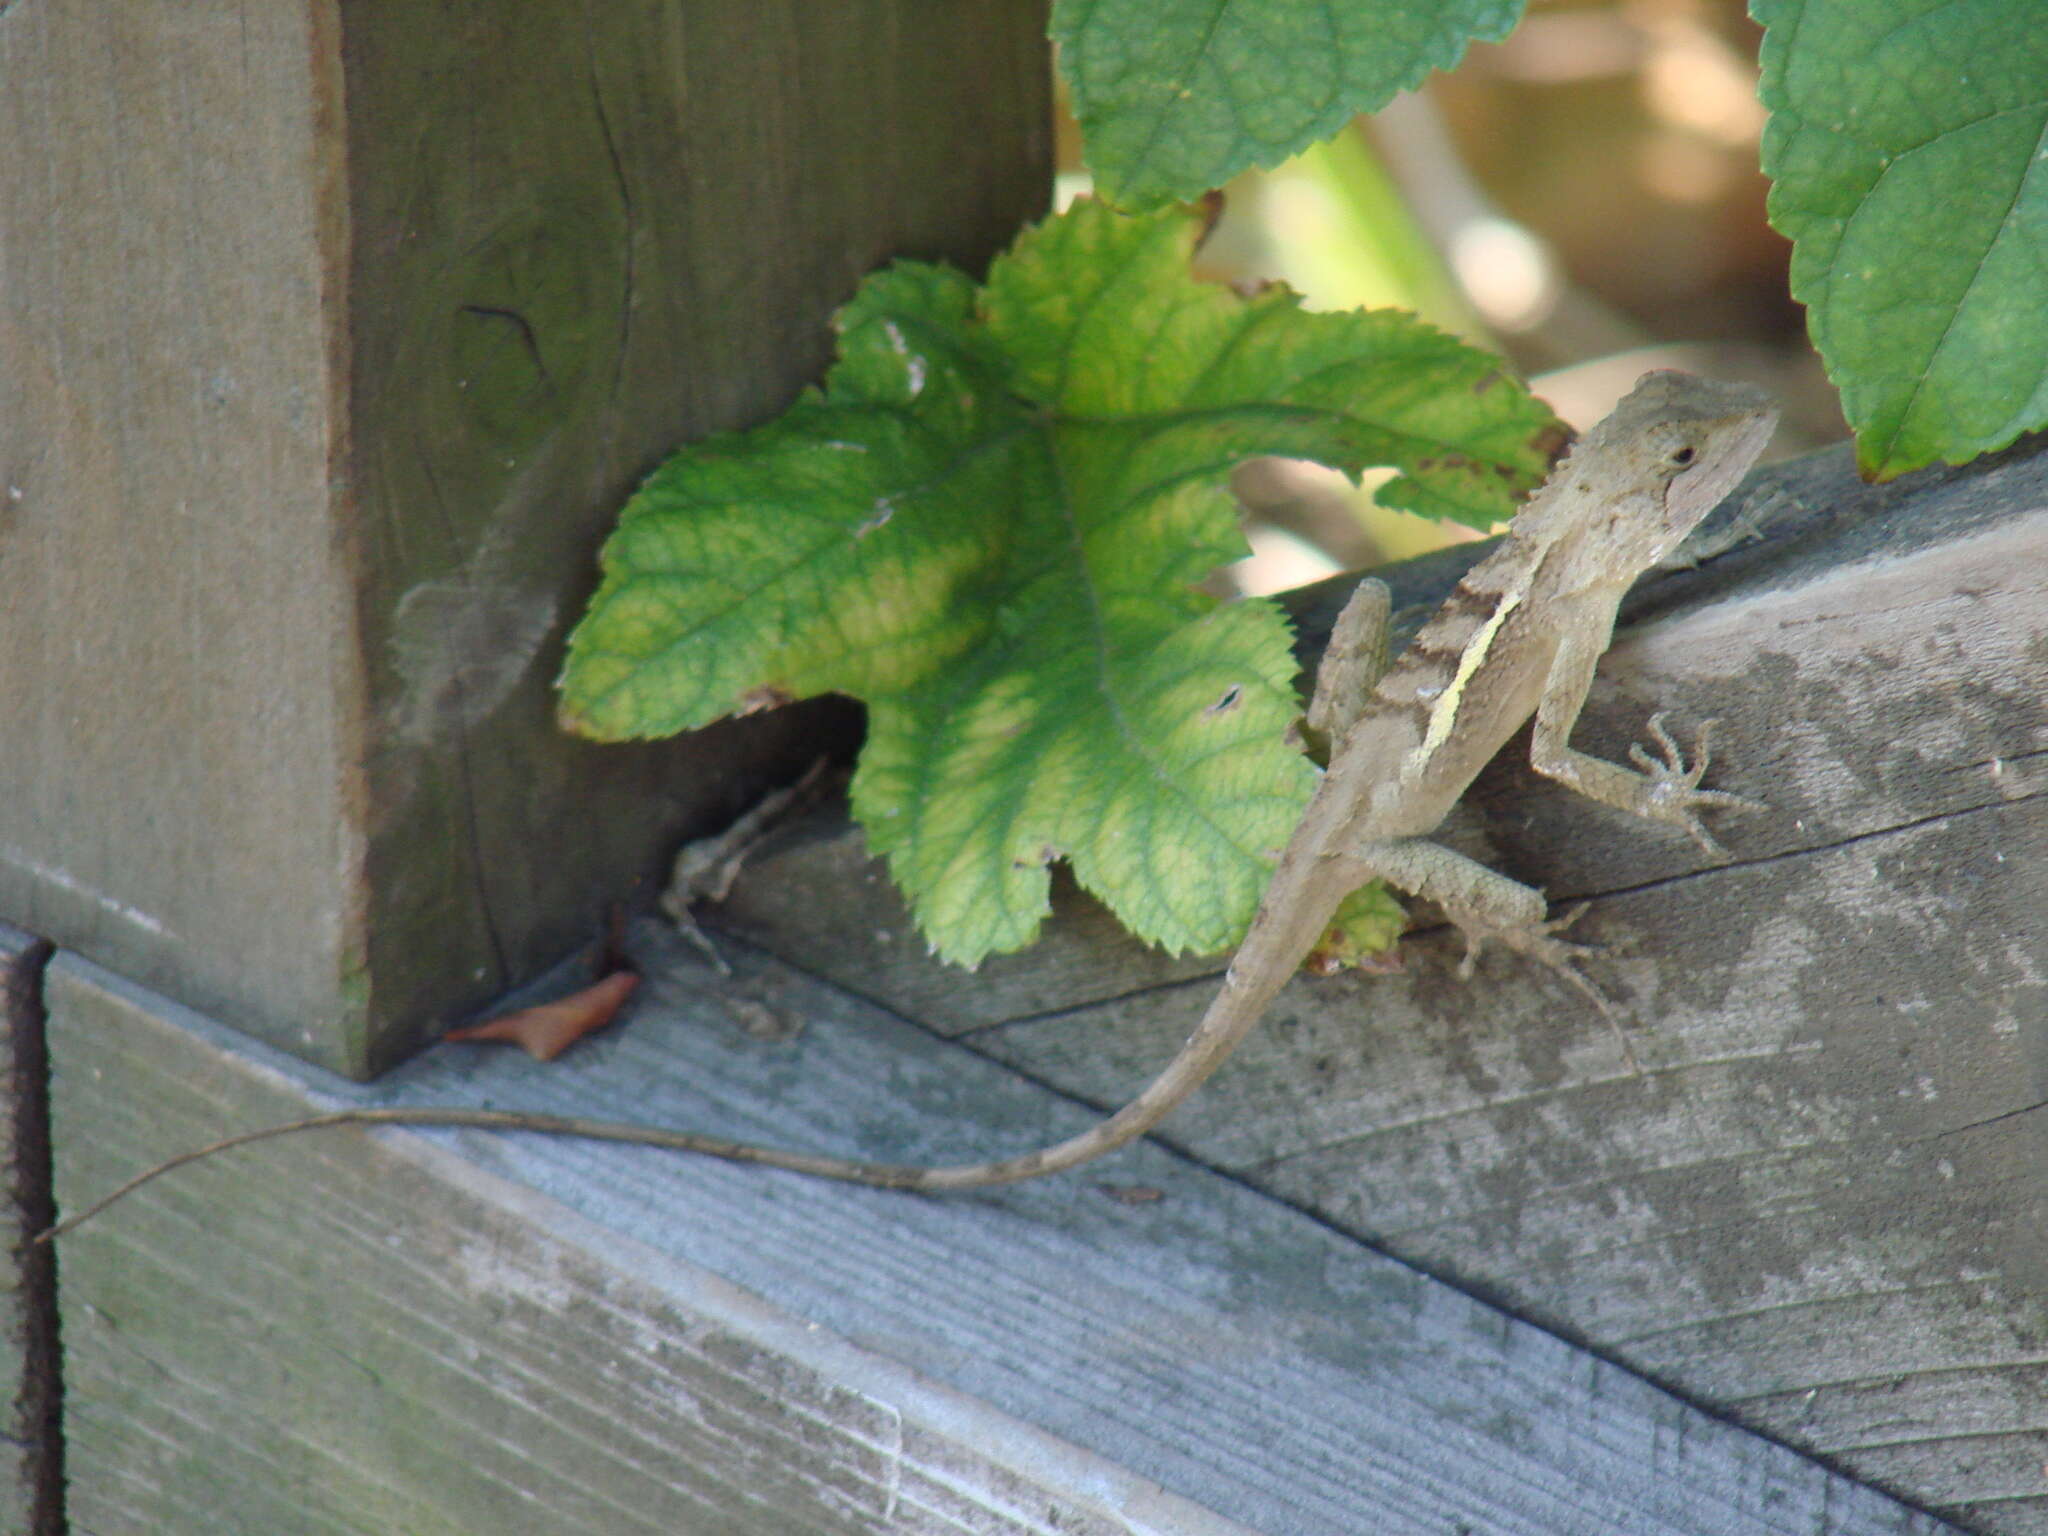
37,1414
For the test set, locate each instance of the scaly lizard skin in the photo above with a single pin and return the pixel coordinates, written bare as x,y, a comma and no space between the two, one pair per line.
1519,636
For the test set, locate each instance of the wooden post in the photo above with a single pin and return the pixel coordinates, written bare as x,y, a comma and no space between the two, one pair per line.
332,336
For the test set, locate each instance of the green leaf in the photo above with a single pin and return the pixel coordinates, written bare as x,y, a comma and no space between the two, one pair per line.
1366,926
989,525
1177,96
1908,147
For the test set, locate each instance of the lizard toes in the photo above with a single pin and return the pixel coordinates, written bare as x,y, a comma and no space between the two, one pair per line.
1539,941
1703,839
1564,920
1728,800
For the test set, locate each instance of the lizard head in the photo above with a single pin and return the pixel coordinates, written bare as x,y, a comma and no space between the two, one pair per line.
1635,485
1685,442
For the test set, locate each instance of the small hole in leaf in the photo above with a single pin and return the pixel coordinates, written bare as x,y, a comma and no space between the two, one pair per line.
1228,702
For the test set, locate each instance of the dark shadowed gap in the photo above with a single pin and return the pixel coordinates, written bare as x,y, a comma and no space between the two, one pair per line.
37,1418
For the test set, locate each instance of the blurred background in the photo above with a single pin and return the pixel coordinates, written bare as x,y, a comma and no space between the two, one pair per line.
1582,198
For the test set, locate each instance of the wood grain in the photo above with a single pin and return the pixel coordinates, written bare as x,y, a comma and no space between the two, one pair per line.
433,1332
331,339
1822,1205
168,731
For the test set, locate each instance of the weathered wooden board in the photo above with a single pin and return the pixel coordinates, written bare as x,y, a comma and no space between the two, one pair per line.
31,1442
331,338
1823,1205
455,1332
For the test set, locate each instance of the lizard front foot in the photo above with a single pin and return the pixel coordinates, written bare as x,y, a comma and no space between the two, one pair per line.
1672,792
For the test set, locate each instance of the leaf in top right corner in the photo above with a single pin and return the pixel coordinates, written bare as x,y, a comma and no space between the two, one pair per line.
1908,150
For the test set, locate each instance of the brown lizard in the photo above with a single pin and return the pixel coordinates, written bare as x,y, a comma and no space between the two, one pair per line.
1519,636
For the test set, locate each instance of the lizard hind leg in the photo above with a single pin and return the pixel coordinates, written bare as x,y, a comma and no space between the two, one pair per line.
1489,907
1537,940
1561,957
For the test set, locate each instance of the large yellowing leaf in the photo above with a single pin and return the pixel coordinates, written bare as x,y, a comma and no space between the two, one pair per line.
989,525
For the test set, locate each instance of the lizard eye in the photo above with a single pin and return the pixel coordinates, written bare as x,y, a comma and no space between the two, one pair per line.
1683,456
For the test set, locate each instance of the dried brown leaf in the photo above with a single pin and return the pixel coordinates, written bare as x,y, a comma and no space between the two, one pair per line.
548,1029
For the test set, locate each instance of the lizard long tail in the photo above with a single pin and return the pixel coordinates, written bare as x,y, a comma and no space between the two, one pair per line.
1270,954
